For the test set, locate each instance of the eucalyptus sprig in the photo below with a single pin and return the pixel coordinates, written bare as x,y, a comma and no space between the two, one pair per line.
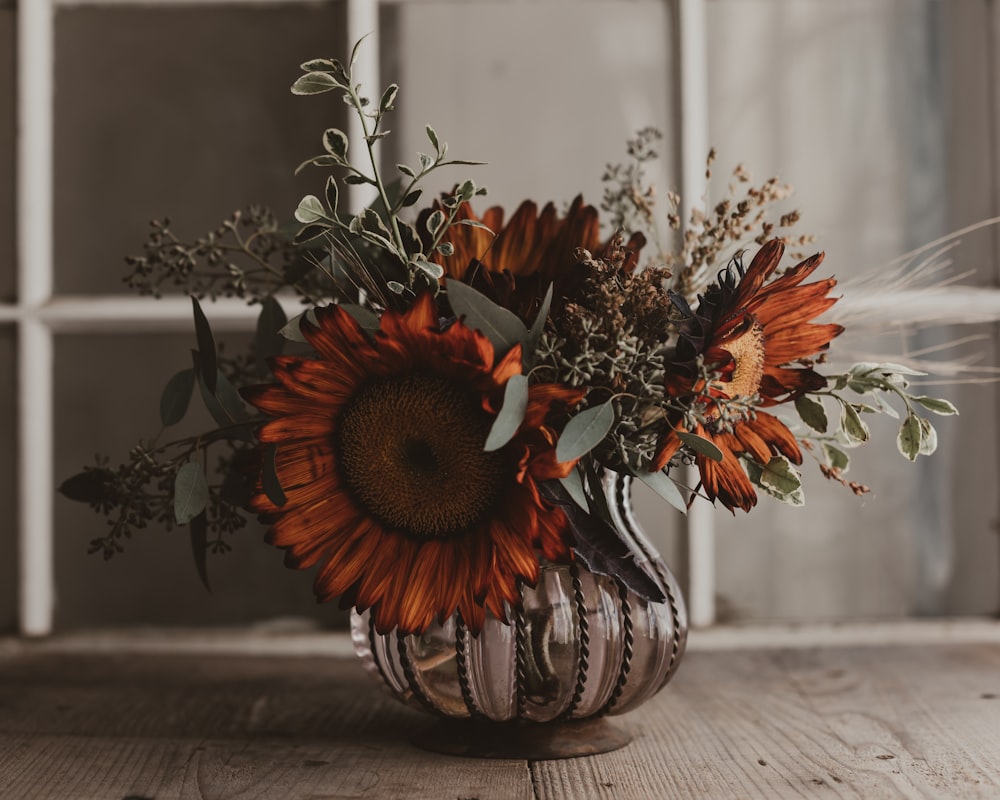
381,224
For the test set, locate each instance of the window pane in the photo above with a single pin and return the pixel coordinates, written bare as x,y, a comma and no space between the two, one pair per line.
7,130
547,92
182,112
874,112
8,485
103,405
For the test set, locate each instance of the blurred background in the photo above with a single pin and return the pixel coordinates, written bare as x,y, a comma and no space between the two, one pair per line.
881,113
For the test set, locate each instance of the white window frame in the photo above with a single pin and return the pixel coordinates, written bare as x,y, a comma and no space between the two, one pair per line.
38,313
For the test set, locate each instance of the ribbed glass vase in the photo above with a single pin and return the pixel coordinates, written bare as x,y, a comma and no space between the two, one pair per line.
582,646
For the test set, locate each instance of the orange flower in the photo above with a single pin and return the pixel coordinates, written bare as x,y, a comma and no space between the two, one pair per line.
379,452
514,263
750,333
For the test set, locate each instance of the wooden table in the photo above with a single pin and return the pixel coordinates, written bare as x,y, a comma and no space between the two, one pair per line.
155,716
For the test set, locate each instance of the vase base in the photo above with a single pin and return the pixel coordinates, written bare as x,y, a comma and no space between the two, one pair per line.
514,740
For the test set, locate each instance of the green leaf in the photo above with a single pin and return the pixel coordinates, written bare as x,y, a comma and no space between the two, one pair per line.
909,437
411,198
269,476
198,530
311,209
500,326
573,484
335,143
434,271
365,317
700,445
474,223
408,171
433,137
531,343
317,65
928,437
224,404
585,431
852,425
434,222
388,97
812,412
89,486
508,421
332,195
779,479
176,397
356,49
207,362
268,341
190,492
936,404
309,232
665,487
314,83
835,457
292,330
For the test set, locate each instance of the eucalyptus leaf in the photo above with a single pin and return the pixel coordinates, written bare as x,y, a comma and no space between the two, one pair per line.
268,341
936,404
176,397
500,326
531,344
408,171
508,421
198,532
317,65
584,432
190,492
269,476
573,484
207,361
292,329
666,487
89,486
314,83
365,317
700,444
335,142
812,413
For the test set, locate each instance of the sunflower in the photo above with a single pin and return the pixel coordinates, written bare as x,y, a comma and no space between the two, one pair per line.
513,263
750,333
380,455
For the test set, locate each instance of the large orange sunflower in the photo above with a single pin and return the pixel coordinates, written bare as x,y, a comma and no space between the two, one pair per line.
750,333
513,263
379,452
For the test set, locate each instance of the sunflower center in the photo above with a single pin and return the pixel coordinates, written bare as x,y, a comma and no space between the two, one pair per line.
411,451
747,351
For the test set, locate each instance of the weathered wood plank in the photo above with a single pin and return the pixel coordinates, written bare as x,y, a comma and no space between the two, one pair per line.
214,727
874,722
846,722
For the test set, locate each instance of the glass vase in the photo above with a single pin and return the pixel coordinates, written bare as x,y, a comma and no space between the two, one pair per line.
581,647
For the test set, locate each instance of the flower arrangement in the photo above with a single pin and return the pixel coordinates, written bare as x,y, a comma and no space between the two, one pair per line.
436,424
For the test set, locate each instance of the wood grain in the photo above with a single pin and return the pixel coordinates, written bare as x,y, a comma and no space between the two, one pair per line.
909,721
